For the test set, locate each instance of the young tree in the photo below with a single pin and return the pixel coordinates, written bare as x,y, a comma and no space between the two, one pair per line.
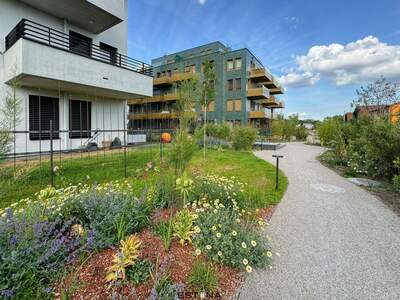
207,95
10,112
183,146
381,93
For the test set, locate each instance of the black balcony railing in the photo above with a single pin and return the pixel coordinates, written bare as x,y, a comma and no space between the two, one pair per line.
38,33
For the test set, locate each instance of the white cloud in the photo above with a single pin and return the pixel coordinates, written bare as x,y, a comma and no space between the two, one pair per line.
299,79
363,60
201,2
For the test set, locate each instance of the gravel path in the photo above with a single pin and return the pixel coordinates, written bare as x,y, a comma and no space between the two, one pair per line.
335,240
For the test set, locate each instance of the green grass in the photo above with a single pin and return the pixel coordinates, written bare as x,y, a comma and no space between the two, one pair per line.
245,166
31,178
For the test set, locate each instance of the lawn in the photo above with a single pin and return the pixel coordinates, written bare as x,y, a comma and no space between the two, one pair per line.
30,178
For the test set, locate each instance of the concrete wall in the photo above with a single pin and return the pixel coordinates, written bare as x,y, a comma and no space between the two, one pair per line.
33,59
107,114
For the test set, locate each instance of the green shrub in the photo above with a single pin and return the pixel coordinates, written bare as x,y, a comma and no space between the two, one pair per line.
203,277
228,191
139,272
300,132
164,230
223,237
163,288
374,148
329,129
109,216
243,137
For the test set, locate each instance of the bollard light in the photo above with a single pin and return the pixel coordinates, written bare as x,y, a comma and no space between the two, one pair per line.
277,170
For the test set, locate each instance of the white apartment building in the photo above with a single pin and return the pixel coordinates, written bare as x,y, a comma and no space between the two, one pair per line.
69,60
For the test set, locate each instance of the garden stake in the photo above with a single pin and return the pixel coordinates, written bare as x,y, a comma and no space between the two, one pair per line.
277,170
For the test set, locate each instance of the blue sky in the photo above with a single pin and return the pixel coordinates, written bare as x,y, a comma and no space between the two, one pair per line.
321,50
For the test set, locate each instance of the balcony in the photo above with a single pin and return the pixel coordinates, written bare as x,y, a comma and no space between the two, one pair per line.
258,93
155,115
257,114
158,98
41,57
169,80
260,75
277,90
94,16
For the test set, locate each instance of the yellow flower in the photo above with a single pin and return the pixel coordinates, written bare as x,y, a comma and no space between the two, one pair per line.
208,247
249,269
253,243
244,246
238,220
214,228
198,252
197,229
219,253
269,253
245,262
218,234
261,223
234,233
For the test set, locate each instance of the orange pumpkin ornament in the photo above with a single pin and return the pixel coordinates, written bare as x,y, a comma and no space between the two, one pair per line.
166,137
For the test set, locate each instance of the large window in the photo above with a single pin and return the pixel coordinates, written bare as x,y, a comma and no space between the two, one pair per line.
238,84
110,51
229,65
80,43
238,63
234,105
230,84
42,110
80,119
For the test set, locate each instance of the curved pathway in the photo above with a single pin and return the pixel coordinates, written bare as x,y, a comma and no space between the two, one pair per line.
335,240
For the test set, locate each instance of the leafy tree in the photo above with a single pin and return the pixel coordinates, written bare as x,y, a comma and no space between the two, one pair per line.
381,93
10,113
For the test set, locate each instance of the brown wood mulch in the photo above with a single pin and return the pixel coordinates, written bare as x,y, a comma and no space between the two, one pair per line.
88,281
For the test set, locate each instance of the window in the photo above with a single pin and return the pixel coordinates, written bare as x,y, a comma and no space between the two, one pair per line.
42,110
110,52
234,105
238,84
175,71
169,73
187,69
158,74
229,65
211,106
193,68
80,119
238,105
230,84
238,63
229,105
80,43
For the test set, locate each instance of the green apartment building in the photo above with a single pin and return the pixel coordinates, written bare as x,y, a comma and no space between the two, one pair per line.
245,89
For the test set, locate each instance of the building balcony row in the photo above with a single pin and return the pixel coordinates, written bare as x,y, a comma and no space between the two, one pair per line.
157,98
263,76
171,79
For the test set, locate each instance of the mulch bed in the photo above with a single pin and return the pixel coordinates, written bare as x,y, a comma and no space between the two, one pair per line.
88,281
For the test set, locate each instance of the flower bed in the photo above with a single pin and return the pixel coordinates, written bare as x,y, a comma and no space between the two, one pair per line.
65,243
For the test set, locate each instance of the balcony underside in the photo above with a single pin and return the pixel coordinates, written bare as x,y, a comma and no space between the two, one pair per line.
155,99
155,116
257,115
276,91
169,80
81,13
38,83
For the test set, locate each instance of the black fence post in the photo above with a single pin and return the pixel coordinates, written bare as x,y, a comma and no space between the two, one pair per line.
277,170
51,155
125,145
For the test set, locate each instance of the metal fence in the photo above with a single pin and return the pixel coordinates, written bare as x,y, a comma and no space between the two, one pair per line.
119,152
